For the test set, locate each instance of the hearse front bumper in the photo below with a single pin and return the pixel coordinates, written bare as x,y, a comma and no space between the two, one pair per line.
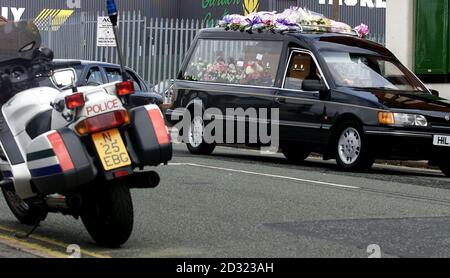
398,143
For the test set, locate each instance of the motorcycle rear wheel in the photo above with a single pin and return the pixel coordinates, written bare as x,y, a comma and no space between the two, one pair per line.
108,214
27,214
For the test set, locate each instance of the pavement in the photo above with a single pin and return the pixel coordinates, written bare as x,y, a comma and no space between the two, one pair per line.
240,203
10,252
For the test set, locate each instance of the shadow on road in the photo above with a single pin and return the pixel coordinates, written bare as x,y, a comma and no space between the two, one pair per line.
402,237
388,173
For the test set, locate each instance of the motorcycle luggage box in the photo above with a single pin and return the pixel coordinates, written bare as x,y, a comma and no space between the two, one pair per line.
149,137
59,162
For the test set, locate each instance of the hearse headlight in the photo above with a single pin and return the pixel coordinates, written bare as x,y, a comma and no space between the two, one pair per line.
402,119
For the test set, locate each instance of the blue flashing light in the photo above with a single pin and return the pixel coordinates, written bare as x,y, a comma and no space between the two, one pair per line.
112,8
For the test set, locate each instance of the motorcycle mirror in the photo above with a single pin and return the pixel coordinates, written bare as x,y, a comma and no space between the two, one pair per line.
64,78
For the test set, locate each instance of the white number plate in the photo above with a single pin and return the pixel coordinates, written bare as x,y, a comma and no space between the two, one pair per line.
440,140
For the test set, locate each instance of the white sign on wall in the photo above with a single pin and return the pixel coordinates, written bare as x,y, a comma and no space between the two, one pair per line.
74,4
105,32
380,4
12,13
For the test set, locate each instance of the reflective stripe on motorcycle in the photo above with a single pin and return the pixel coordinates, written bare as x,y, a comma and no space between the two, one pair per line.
61,151
7,174
158,124
46,171
40,155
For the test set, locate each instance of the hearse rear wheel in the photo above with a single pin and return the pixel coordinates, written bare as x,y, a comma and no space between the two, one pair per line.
196,143
352,153
295,154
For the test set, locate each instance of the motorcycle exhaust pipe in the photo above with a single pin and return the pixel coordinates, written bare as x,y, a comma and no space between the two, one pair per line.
144,180
74,201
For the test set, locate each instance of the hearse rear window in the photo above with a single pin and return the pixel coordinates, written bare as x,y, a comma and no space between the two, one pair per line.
235,62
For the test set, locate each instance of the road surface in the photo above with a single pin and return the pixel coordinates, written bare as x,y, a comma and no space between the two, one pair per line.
240,203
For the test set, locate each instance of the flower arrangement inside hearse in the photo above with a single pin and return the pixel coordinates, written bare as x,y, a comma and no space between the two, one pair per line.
293,19
248,73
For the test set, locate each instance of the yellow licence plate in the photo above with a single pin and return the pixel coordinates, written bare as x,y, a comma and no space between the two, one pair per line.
111,149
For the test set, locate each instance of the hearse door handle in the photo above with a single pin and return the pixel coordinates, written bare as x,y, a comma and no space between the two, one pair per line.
280,100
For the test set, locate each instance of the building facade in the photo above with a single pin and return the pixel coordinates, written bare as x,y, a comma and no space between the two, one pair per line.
353,12
418,32
155,35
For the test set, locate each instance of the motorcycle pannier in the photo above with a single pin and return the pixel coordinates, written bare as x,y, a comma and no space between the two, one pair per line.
59,162
149,137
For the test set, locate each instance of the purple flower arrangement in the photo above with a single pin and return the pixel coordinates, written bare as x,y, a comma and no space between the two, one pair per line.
362,30
292,19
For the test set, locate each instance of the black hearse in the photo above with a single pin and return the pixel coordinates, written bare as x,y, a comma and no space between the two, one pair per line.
345,97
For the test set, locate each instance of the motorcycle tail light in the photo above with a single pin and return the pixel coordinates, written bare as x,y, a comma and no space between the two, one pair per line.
121,174
75,101
103,122
125,88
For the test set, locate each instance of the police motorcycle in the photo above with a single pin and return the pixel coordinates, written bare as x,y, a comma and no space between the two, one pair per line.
75,151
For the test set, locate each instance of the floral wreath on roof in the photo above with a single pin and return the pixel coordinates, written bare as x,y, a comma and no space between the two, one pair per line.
292,19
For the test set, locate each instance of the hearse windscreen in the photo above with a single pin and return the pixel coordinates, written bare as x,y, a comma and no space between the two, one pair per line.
358,70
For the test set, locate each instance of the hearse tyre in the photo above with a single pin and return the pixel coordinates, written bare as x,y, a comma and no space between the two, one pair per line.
351,148
444,165
196,143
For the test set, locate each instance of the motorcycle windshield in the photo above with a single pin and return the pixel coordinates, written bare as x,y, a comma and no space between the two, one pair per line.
18,40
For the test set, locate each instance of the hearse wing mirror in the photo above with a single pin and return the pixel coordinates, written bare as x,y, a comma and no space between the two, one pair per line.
434,93
314,86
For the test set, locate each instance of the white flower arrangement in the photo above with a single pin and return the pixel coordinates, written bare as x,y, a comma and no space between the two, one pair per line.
293,19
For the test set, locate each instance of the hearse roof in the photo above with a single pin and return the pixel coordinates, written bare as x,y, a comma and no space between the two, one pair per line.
321,40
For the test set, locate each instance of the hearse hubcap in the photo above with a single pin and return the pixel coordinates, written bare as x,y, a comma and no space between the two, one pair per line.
196,132
349,146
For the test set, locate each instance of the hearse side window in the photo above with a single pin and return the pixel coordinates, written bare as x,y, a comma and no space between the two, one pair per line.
235,62
301,67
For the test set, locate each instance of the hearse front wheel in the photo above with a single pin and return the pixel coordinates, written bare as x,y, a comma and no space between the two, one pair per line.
445,168
352,153
196,143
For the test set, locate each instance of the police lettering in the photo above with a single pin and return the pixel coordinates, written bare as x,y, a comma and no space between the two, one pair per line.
99,108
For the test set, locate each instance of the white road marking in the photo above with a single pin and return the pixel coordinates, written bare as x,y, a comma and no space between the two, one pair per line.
265,175
319,159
